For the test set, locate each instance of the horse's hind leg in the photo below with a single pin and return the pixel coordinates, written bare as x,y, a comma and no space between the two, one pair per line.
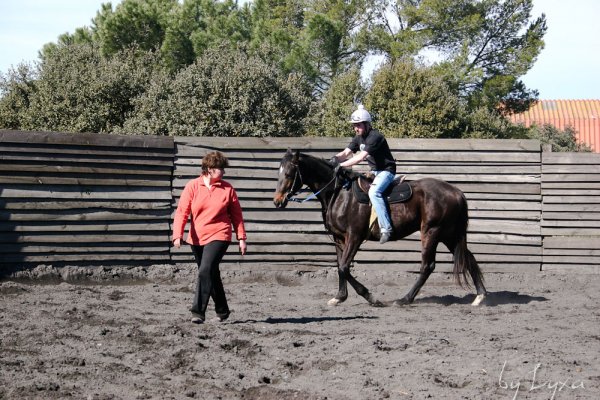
477,278
428,251
465,260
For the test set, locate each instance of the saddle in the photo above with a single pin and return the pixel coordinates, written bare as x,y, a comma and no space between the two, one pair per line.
397,192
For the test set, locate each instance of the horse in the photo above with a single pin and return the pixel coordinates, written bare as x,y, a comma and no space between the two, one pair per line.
436,208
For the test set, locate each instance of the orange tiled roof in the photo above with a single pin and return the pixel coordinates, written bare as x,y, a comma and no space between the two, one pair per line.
581,115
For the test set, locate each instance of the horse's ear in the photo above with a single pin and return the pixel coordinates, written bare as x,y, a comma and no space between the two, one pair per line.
296,156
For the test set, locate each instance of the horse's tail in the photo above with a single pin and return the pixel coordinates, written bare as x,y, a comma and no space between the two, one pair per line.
464,261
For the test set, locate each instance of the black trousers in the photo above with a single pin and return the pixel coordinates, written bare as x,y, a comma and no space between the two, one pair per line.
209,284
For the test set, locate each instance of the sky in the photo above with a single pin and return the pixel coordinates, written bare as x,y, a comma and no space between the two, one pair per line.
567,68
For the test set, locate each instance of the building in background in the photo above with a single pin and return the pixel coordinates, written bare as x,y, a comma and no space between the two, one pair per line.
581,115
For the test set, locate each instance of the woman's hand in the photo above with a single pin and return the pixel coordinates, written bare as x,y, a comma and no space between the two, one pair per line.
177,242
243,246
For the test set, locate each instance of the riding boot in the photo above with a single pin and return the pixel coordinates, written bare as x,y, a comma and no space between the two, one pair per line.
385,236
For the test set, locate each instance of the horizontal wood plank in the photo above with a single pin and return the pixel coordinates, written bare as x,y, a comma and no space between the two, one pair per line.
86,139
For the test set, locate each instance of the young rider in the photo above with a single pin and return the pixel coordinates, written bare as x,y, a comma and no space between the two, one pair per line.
369,144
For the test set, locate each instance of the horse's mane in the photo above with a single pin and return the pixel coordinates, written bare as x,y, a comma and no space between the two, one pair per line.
320,160
348,173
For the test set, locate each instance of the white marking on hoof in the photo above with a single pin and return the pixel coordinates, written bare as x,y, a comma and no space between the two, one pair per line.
478,300
333,302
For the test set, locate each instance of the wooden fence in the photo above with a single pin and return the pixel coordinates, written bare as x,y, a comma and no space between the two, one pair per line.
571,211
84,199
90,199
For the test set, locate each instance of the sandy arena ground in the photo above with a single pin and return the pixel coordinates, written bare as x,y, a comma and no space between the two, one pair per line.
109,337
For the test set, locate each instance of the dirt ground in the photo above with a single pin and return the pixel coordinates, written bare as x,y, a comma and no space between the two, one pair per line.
110,337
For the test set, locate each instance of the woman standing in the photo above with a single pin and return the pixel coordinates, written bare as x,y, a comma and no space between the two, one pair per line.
214,208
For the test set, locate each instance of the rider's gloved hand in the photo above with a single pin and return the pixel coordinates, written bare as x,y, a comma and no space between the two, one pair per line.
335,163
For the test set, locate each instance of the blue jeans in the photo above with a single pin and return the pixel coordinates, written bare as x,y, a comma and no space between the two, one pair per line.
380,183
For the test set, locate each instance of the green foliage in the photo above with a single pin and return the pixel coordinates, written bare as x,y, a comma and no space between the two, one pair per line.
409,101
142,23
482,123
17,87
197,25
559,141
330,38
78,90
316,38
277,25
331,116
484,46
156,66
224,93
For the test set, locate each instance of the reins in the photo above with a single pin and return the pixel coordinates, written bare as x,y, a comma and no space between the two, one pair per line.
313,195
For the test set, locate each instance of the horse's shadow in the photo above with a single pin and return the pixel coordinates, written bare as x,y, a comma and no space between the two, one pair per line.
303,320
491,300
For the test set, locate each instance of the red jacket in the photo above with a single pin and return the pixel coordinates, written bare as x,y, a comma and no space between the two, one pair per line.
213,212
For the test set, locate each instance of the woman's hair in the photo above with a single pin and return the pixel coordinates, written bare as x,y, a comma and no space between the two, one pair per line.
216,159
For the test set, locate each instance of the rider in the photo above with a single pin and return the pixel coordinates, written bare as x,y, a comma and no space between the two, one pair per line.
370,144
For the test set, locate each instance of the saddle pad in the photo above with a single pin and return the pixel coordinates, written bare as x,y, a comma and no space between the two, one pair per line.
395,193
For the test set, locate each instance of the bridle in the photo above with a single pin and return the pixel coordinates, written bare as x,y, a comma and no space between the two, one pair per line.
292,192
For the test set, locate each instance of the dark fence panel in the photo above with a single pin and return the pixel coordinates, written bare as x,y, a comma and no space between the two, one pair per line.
571,211
84,198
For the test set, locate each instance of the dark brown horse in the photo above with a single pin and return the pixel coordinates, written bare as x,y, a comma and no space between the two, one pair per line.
436,208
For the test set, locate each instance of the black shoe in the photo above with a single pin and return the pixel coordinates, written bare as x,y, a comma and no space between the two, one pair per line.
220,317
197,318
385,236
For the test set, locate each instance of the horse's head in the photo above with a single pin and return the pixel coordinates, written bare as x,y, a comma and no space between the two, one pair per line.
290,178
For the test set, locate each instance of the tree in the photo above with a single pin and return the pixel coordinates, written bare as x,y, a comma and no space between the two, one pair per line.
197,25
224,93
411,101
331,114
316,38
180,32
142,23
329,39
481,123
17,88
78,90
484,47
277,25
559,141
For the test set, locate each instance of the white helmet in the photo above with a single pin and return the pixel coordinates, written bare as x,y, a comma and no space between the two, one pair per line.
360,115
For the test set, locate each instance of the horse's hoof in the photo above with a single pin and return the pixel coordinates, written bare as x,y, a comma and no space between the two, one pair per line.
480,298
334,302
401,302
376,303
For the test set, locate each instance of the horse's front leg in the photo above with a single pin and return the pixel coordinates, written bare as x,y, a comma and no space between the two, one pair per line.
342,294
344,262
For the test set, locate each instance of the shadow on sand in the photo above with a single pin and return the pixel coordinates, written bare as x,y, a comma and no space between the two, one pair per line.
492,299
302,320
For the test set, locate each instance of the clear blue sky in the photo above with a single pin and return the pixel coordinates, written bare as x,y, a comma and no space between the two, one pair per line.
568,68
